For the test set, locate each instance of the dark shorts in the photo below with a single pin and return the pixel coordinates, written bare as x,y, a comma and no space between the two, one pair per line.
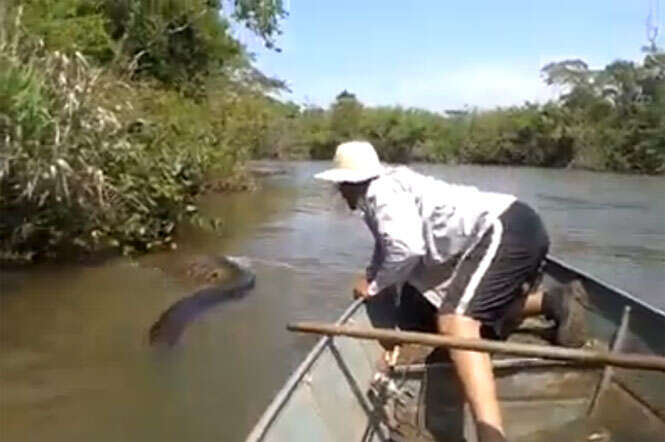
492,280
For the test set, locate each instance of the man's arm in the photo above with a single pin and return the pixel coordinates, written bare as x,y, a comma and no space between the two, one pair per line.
400,240
375,263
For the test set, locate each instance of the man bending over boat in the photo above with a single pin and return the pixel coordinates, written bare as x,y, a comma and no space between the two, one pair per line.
474,256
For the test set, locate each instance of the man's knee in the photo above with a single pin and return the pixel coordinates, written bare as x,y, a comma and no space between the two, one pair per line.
458,325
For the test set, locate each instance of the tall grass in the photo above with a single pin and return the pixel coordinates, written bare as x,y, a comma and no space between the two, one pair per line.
89,162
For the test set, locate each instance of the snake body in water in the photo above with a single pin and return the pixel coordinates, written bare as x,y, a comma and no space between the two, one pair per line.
236,278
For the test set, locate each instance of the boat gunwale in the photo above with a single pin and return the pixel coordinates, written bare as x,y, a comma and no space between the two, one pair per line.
284,394
268,417
605,285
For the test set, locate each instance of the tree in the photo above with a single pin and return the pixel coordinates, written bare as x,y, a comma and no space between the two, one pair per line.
262,17
345,117
179,42
617,114
395,132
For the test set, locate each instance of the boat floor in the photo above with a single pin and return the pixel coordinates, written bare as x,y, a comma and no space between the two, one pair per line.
541,401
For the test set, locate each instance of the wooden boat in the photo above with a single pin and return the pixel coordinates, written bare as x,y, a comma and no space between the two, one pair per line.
331,396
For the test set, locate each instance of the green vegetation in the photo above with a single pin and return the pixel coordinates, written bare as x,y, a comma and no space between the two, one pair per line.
612,119
115,115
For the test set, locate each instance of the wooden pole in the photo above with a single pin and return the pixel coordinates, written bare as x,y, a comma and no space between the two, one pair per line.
587,357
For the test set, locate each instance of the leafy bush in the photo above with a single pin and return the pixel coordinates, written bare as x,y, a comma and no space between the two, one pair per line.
116,114
528,135
90,163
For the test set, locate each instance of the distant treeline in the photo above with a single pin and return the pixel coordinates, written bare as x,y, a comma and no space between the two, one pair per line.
612,119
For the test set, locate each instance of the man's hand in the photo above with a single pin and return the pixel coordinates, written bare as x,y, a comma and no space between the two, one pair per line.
361,288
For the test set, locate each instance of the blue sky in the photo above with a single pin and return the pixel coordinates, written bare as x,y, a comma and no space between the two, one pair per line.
444,54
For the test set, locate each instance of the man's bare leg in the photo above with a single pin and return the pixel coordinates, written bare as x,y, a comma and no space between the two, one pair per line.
475,372
534,304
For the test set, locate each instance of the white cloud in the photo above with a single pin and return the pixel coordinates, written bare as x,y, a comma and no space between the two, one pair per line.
437,90
476,86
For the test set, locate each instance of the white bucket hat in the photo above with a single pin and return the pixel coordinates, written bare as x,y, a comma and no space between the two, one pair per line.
355,162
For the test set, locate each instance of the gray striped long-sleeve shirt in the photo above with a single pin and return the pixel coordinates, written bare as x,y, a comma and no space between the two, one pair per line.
419,221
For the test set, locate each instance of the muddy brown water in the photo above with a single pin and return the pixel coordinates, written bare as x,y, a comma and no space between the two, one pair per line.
75,364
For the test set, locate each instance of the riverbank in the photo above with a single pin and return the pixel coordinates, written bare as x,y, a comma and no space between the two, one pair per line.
115,118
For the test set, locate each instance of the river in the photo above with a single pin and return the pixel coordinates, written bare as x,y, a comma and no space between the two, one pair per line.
75,364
